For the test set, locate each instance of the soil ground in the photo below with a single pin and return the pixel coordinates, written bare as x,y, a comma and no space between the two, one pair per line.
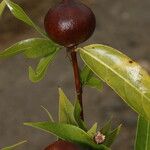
122,24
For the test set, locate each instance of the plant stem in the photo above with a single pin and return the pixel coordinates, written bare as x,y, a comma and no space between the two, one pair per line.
78,84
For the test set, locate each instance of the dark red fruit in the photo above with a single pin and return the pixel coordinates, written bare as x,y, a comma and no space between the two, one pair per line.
61,145
70,23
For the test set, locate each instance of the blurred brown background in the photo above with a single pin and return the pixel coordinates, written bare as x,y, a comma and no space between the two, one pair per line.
122,24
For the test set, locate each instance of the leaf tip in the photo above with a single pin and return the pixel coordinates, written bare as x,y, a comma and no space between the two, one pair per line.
27,124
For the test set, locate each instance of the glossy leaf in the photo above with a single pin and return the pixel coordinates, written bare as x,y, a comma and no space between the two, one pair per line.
142,141
67,132
13,147
32,48
48,113
92,131
77,112
19,13
42,67
66,109
2,7
125,77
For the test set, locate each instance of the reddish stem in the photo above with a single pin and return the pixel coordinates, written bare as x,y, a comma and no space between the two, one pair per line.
78,84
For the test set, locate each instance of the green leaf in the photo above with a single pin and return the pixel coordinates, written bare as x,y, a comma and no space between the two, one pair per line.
32,48
111,136
42,67
19,13
77,112
85,74
106,128
92,131
48,113
41,48
67,132
142,141
66,109
2,7
125,77
95,83
88,79
13,147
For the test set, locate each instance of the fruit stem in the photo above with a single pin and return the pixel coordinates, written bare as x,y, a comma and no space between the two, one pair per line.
78,84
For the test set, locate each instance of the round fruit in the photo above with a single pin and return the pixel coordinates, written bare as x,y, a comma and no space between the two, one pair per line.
61,145
70,23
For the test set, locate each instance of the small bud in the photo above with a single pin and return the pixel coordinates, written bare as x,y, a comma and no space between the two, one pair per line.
99,138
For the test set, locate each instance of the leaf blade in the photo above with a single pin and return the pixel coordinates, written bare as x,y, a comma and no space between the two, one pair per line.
77,116
2,7
110,137
66,109
124,76
19,13
142,141
88,79
40,72
32,48
107,127
93,82
67,132
85,74
92,130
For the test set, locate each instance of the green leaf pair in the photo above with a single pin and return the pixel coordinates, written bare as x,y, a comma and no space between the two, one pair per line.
88,79
66,109
68,127
71,128
69,113
34,48
42,48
